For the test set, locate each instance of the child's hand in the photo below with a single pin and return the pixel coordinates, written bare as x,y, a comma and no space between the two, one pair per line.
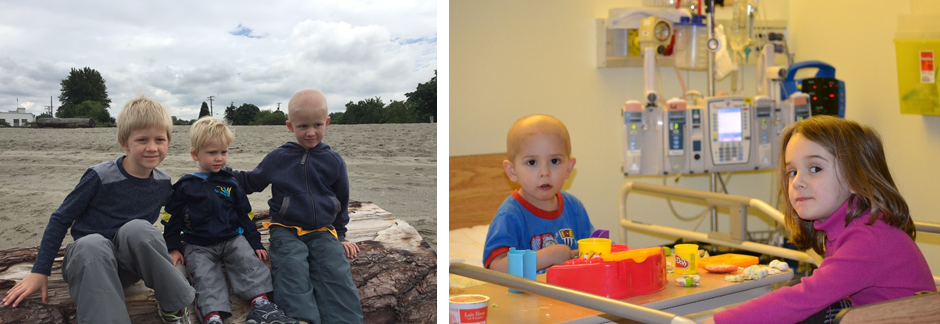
27,286
575,254
552,255
352,250
262,254
177,257
710,321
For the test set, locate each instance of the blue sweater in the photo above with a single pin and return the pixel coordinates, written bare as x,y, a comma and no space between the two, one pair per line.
519,224
309,188
208,211
104,199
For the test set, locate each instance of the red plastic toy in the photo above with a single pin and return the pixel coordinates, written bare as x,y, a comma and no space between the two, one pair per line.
639,272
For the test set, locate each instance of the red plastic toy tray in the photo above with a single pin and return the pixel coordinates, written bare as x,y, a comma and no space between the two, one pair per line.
642,274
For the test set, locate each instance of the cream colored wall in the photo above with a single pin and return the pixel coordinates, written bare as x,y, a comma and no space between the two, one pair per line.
859,44
509,59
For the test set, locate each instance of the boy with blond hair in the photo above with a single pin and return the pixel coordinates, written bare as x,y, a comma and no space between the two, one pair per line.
309,213
217,225
538,216
111,213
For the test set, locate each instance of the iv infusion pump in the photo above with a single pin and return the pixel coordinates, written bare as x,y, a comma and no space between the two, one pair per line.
676,138
643,130
764,135
655,139
717,134
799,105
728,134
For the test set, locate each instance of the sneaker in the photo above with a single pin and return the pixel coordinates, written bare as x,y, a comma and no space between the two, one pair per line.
215,320
269,314
178,317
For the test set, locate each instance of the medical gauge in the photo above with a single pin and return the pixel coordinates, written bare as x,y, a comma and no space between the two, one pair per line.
826,96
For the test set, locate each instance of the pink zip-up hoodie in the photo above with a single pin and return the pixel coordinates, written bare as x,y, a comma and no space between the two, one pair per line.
866,263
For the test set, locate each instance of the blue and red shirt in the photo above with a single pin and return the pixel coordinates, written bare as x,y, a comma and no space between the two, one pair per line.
519,224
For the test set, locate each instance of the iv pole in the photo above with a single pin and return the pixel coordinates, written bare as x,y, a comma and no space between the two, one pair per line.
713,46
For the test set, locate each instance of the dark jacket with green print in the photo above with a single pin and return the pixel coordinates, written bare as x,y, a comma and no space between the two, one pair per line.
208,211
309,188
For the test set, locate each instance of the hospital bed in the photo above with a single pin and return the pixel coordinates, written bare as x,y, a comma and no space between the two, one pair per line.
478,185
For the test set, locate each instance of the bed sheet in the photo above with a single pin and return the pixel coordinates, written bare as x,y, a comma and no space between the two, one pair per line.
466,245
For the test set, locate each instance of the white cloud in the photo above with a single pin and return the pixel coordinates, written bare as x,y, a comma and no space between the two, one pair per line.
181,52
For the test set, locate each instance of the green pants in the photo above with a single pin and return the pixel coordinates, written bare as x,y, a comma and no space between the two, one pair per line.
311,277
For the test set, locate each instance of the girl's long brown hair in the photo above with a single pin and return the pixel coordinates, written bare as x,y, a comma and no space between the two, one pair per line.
861,163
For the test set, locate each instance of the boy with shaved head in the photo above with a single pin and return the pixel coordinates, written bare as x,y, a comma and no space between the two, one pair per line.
538,216
309,213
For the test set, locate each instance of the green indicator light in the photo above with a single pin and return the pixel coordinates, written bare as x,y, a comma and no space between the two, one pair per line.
633,126
675,126
763,122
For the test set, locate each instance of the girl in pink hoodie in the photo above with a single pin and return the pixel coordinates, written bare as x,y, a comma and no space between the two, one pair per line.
842,203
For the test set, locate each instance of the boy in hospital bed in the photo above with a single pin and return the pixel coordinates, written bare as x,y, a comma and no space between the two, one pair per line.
538,216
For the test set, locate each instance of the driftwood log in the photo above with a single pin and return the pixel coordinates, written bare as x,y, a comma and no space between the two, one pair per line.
66,122
396,273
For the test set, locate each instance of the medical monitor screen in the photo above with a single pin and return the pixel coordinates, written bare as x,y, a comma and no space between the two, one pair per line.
729,125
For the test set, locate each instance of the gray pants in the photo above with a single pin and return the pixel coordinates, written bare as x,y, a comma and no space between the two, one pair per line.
248,275
97,271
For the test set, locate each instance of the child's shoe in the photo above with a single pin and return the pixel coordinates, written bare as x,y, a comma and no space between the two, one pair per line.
214,320
269,314
178,317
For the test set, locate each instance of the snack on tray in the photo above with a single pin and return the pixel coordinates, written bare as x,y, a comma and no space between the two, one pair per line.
720,268
688,280
779,265
739,260
753,272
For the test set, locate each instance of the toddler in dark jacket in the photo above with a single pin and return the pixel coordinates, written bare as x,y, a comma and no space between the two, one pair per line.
217,225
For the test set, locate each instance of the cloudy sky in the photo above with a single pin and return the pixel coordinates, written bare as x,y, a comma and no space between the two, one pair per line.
182,52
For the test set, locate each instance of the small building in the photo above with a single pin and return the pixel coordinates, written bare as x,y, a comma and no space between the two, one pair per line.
18,117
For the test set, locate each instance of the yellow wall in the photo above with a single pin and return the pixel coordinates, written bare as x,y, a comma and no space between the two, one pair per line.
509,59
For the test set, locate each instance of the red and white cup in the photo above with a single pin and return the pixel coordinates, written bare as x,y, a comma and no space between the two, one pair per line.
468,309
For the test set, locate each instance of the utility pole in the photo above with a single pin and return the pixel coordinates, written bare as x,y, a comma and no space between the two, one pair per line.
210,106
50,106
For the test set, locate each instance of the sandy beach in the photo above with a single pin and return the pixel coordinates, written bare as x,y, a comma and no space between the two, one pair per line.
394,166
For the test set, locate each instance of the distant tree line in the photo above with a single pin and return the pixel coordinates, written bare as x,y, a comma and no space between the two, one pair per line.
420,107
373,111
85,95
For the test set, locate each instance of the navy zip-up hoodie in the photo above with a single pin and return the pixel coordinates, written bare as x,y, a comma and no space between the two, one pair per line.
208,211
309,188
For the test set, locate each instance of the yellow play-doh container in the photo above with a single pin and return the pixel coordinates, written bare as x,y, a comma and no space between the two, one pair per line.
593,248
468,309
686,259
